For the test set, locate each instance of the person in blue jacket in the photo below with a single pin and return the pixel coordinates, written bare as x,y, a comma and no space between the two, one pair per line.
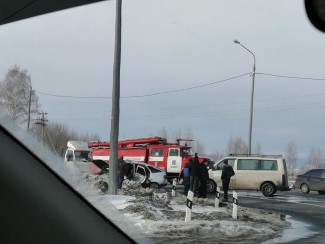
186,176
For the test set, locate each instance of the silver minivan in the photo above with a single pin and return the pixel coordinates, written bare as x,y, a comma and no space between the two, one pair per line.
266,173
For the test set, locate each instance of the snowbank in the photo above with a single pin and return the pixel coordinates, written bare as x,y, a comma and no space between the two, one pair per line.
209,224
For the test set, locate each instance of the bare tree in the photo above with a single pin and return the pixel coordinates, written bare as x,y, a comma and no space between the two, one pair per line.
315,158
237,146
163,133
216,156
15,91
291,157
258,149
198,148
177,134
59,134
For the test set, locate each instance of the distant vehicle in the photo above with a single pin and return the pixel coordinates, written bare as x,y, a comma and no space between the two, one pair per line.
78,153
313,180
155,151
147,175
266,173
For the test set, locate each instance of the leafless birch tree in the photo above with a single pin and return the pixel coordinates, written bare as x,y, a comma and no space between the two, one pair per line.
291,157
15,91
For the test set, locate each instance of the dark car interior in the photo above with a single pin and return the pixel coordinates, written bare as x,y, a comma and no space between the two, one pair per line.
36,205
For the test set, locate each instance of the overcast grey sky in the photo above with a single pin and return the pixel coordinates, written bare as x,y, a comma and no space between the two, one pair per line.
174,44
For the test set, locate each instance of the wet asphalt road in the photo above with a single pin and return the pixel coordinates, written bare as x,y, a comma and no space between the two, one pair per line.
308,208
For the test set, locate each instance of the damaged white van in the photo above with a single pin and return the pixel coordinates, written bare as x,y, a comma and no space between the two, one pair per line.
266,173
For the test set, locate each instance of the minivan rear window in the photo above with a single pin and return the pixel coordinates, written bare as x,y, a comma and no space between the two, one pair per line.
255,164
268,165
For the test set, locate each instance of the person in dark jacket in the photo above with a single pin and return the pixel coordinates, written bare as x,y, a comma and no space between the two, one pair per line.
204,176
227,173
186,176
121,172
194,169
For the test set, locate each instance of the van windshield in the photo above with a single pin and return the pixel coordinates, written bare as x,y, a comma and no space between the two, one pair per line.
220,165
82,156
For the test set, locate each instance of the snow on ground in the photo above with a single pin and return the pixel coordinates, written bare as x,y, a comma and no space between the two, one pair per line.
209,224
135,212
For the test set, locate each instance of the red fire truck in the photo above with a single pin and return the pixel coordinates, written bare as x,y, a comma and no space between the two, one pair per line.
155,151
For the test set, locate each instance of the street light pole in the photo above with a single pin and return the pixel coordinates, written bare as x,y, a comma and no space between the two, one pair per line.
252,100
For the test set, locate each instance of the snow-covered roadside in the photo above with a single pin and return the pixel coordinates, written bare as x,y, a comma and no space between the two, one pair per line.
209,224
134,212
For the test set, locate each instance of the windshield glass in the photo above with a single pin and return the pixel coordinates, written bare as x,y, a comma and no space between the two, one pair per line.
242,77
82,156
186,152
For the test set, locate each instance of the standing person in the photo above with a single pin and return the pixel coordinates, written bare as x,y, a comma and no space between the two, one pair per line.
121,172
186,176
227,173
194,169
204,176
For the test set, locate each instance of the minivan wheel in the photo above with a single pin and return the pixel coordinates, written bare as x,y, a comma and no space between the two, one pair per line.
211,186
321,192
304,188
268,189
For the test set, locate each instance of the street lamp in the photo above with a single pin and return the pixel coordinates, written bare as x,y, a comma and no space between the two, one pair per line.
252,99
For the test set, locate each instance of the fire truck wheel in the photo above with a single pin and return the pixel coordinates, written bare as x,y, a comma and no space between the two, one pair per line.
154,185
211,186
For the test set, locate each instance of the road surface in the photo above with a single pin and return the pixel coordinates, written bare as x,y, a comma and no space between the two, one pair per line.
308,208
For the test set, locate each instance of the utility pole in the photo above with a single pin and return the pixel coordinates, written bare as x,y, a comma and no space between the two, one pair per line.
113,160
29,102
41,121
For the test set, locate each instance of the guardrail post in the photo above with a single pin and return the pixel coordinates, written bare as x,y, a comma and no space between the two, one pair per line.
174,188
188,211
234,205
217,197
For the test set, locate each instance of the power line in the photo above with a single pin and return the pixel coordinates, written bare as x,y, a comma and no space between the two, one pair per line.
188,88
239,102
182,89
289,77
289,107
179,90
146,95
66,96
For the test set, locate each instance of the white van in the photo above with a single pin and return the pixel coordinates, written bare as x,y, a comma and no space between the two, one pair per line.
266,173
78,153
